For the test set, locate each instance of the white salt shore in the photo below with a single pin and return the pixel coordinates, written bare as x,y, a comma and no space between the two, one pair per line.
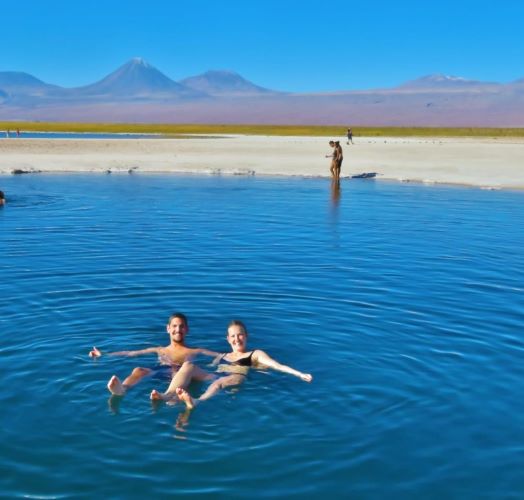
486,163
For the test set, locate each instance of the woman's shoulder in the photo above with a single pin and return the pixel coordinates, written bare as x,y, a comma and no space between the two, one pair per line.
256,353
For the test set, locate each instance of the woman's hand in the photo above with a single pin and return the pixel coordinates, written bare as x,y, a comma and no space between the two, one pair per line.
306,377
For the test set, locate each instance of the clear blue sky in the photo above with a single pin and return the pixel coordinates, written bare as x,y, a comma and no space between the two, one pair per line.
284,45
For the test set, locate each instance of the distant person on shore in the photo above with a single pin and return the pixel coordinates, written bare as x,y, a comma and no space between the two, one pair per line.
235,365
2,199
170,358
18,132
350,136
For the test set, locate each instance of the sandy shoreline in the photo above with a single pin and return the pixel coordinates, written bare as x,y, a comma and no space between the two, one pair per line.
488,163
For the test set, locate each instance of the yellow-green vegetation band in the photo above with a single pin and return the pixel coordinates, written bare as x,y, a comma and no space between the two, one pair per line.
282,130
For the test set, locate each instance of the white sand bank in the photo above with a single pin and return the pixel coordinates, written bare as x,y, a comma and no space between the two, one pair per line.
494,163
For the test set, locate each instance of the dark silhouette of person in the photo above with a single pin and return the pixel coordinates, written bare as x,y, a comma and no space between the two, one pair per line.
339,156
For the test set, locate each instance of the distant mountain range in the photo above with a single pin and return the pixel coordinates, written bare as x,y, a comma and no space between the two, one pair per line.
138,92
135,80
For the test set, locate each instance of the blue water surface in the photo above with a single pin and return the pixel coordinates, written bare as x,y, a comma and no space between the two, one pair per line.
404,301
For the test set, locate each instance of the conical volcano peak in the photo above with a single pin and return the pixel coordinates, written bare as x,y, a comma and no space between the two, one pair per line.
136,77
139,61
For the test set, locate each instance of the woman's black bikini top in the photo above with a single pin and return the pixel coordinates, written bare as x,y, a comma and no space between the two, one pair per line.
245,361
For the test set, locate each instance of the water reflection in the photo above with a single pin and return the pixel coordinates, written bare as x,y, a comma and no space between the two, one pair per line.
335,193
182,421
335,201
114,403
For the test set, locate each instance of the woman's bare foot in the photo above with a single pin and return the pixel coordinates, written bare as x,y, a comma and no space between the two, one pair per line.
116,387
184,396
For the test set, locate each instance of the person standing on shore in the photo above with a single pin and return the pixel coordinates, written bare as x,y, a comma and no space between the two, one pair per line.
339,157
350,136
333,166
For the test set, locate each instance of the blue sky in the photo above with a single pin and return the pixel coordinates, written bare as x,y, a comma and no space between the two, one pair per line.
285,45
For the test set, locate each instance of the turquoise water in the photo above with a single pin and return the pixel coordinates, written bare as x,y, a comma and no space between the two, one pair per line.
404,301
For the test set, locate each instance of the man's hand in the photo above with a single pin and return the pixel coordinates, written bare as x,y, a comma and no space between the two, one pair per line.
95,353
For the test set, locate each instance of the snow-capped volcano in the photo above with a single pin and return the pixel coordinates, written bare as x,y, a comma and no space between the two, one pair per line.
440,80
136,78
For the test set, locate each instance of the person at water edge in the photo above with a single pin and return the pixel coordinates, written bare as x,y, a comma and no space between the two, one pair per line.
170,357
2,198
235,365
339,157
336,159
350,136
333,165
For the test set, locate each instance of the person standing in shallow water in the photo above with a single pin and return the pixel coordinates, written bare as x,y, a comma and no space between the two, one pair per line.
2,199
234,365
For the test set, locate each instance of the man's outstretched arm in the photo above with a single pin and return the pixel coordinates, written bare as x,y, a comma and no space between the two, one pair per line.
96,353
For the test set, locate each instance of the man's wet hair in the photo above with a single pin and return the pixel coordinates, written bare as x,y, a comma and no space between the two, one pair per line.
237,322
178,315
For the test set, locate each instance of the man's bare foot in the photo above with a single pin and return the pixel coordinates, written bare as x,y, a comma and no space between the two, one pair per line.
185,397
116,387
156,396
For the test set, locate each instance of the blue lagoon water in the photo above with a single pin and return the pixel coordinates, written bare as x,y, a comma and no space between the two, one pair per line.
404,301
76,135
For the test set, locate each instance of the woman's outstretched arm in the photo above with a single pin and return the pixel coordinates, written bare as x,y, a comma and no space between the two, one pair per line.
264,359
